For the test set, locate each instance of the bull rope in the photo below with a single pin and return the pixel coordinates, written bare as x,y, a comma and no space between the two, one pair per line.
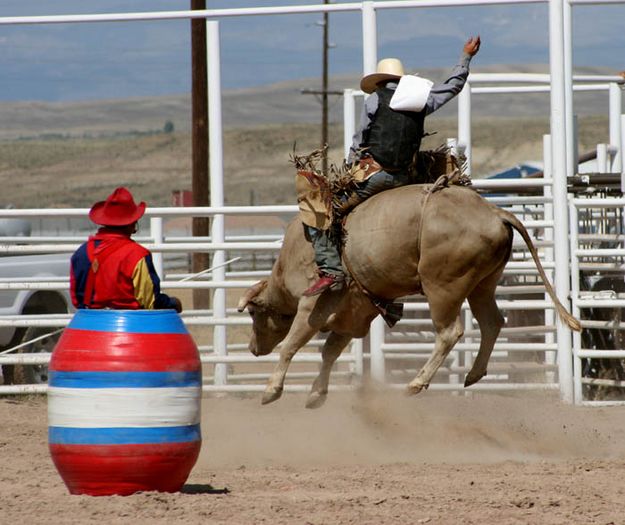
391,312
425,201
456,177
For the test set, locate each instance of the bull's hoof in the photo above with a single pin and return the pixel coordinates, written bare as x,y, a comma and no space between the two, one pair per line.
472,378
316,400
414,389
270,396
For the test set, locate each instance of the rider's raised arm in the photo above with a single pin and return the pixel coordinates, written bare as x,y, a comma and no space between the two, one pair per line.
443,92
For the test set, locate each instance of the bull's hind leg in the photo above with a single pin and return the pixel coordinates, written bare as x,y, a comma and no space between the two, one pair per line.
330,352
446,318
488,316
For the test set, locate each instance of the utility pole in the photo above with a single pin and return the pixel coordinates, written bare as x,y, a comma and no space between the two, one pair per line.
324,92
199,143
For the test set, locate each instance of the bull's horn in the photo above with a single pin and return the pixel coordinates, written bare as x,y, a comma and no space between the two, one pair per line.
251,292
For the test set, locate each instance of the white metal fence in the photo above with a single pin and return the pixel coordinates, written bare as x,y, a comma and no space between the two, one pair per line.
218,352
598,297
524,356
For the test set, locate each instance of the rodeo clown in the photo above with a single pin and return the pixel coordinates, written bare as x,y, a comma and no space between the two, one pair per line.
111,270
384,147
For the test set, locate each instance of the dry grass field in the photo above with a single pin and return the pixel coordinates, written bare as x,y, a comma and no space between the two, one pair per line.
73,171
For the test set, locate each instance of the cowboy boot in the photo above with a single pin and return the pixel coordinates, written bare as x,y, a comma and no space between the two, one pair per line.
325,282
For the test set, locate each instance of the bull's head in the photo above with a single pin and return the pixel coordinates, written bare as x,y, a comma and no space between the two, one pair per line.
269,325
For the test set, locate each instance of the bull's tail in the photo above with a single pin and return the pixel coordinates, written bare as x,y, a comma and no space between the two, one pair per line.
515,223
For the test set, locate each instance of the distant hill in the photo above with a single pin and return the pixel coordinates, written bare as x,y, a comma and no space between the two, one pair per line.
70,154
271,104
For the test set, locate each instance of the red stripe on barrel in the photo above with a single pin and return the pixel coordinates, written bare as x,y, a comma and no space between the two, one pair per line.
104,470
109,351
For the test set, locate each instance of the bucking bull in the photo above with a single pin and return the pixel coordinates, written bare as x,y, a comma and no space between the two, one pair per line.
449,245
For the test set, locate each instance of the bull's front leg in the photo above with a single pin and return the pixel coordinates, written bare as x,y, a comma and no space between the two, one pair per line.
334,345
300,333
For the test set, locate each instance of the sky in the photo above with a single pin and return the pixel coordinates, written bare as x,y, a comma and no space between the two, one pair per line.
69,62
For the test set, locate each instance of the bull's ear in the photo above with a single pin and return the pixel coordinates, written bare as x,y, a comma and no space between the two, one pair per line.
251,292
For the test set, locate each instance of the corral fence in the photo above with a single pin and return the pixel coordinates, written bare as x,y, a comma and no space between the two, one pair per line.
598,298
525,356
533,351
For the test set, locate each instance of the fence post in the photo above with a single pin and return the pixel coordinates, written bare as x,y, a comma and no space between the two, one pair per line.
550,317
575,146
369,38
217,193
357,354
464,123
156,233
455,148
616,108
376,353
560,207
349,120
602,158
567,30
622,157
577,337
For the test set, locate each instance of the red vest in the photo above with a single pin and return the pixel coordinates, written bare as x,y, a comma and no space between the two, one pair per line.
109,281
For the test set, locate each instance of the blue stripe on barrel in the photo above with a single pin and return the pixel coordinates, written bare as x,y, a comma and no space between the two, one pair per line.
123,436
124,379
132,321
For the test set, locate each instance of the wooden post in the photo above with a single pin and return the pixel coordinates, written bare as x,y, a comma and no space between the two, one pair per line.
199,147
324,92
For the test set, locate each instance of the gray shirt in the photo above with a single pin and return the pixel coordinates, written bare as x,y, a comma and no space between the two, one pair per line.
439,95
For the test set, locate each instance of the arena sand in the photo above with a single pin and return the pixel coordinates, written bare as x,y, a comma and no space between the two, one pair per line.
368,458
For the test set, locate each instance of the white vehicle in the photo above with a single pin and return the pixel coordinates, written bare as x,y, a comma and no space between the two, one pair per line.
50,267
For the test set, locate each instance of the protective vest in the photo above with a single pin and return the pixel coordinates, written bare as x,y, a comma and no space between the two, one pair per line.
107,269
112,271
393,137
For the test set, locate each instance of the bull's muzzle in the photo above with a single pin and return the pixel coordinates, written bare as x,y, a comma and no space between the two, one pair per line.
253,347
259,350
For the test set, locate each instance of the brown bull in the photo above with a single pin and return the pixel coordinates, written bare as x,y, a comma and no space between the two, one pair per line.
450,245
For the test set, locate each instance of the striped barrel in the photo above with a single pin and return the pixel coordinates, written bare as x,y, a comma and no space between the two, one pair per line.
124,394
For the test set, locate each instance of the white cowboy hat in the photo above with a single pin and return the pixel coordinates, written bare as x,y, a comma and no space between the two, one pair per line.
388,69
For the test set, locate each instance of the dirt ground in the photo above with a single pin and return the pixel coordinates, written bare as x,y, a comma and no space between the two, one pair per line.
366,457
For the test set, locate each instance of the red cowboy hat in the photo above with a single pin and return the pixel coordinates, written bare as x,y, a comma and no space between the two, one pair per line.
119,209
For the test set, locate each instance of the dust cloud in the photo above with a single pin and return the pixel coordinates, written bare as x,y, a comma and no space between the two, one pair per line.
375,427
